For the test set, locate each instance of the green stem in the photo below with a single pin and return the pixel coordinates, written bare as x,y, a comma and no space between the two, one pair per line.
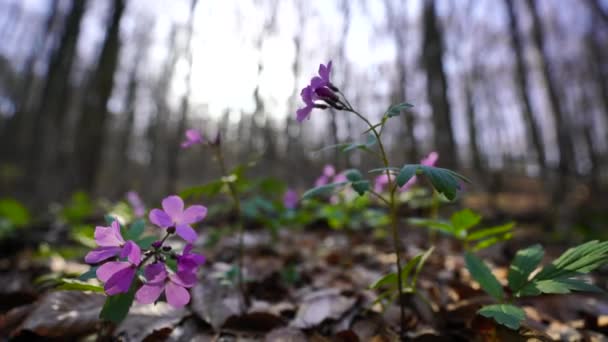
393,215
237,208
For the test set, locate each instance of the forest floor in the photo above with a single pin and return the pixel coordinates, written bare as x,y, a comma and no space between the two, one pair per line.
304,285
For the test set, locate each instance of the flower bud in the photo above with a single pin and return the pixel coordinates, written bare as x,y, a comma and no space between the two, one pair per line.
157,244
321,106
166,248
326,94
171,230
332,87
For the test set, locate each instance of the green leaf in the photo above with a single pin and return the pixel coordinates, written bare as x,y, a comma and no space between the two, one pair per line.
322,190
442,226
210,189
14,212
109,219
406,173
383,169
508,315
465,219
78,285
116,308
389,279
443,181
578,260
422,260
491,241
146,241
487,232
90,274
353,175
525,261
482,274
395,110
361,186
135,230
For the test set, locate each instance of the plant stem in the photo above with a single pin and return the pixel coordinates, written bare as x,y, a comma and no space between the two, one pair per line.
237,208
393,215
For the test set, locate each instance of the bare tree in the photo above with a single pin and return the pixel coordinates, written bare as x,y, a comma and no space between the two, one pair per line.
437,86
173,162
563,139
91,124
522,87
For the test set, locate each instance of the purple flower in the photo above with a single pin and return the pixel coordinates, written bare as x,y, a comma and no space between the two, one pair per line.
340,177
381,182
118,275
173,284
174,215
308,96
328,172
317,89
193,137
189,262
290,199
110,243
136,203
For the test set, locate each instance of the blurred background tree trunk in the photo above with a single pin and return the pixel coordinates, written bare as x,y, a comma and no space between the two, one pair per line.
91,126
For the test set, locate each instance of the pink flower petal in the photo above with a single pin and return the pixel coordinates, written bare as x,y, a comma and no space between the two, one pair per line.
101,254
431,159
149,293
321,181
160,218
177,296
155,273
109,236
183,279
132,252
120,282
186,232
303,113
173,206
107,270
193,214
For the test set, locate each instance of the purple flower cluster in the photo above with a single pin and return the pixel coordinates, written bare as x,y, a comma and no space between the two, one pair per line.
121,261
320,88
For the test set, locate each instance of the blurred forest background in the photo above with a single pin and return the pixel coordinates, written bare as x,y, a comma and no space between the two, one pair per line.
96,95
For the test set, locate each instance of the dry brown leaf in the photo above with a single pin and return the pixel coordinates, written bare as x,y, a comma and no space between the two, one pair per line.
64,314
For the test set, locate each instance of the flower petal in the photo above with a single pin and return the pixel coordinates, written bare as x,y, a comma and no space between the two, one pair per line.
303,113
132,252
321,181
431,159
107,270
120,282
149,293
194,135
193,214
160,218
109,236
177,296
101,254
329,170
184,279
186,232
173,206
155,273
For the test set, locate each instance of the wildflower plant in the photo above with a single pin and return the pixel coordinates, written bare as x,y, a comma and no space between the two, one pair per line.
322,94
132,267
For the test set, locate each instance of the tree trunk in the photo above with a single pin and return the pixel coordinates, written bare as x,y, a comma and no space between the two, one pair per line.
174,142
563,139
49,115
437,87
91,124
533,129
